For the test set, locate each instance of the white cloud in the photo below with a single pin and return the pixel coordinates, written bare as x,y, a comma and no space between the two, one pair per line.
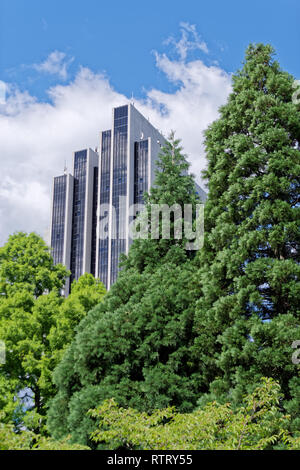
37,137
190,40
2,92
35,140
194,105
56,63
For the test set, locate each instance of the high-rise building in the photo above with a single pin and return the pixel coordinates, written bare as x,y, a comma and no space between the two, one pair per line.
91,208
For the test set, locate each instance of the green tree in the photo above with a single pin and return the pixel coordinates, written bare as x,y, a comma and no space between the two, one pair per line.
135,345
27,440
36,324
248,312
257,425
26,264
85,294
27,273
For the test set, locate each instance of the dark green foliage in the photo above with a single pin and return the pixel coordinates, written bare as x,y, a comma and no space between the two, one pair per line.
135,346
248,314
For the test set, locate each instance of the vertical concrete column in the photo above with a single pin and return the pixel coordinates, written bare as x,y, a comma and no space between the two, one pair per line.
92,162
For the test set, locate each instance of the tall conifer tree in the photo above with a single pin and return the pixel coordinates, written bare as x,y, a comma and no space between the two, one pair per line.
135,345
249,311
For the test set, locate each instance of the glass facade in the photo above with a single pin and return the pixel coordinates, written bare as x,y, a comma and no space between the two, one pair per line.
140,170
100,180
119,188
104,199
80,174
94,222
58,218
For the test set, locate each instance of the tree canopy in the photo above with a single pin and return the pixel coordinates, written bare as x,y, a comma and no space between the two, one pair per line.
36,325
248,312
26,265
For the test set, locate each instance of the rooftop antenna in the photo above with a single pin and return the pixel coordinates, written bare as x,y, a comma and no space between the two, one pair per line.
65,168
132,99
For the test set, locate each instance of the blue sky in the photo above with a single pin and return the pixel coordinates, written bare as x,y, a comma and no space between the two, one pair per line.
118,37
65,64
